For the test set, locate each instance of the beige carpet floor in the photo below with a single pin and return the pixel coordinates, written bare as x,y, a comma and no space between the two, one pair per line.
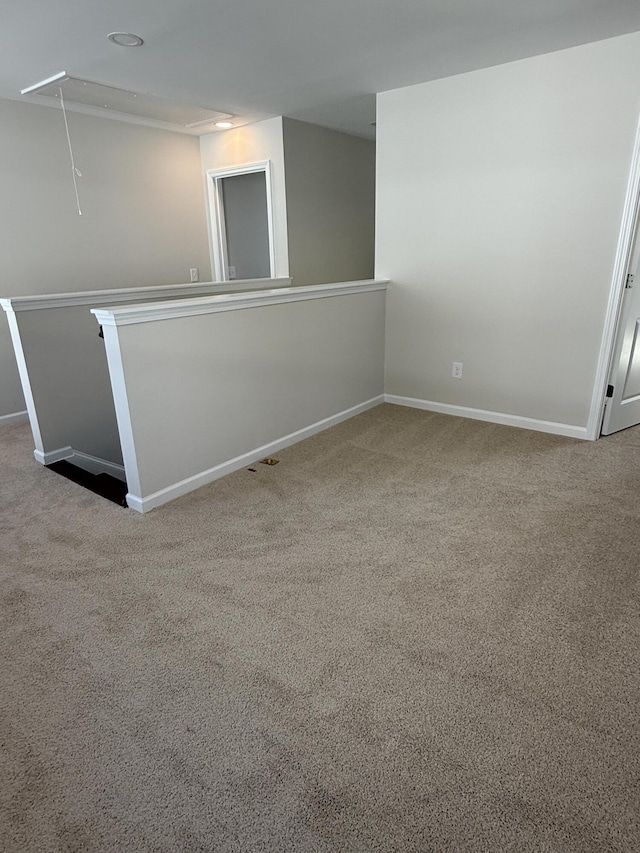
416,633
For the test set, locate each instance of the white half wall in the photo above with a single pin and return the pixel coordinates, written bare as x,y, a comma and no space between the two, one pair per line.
203,387
143,211
63,367
254,143
499,202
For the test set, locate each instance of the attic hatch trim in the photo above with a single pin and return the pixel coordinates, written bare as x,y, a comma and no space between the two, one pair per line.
125,105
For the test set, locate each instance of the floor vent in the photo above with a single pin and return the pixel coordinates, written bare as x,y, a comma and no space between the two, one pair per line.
101,484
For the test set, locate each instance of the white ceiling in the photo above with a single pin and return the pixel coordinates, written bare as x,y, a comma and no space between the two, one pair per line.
317,60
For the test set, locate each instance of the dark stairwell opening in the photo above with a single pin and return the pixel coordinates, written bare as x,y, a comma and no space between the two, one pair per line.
105,485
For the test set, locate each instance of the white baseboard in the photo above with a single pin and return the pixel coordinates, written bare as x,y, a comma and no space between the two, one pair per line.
14,418
144,504
95,465
568,430
92,464
52,456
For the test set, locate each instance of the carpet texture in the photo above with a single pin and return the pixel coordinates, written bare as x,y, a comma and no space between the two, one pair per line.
416,633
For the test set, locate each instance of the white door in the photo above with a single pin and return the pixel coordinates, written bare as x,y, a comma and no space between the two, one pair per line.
623,394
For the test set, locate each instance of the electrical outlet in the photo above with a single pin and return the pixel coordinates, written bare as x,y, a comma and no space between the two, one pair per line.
456,371
232,273
194,274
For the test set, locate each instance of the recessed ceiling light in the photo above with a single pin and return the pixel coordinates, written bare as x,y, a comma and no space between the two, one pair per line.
125,39
224,125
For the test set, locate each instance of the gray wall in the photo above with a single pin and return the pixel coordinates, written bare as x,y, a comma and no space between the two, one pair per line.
69,381
65,369
143,208
254,143
330,186
255,376
499,203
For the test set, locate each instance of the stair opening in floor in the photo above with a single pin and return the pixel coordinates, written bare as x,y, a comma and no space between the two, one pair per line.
105,485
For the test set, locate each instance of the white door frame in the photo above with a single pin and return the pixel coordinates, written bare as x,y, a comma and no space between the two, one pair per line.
218,236
628,227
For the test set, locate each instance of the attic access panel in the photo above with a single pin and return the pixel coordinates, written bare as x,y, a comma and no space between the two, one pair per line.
115,100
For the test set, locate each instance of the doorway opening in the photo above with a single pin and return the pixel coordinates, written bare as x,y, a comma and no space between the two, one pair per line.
241,217
615,403
622,407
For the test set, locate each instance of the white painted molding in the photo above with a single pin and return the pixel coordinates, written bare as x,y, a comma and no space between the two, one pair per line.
568,430
217,226
21,361
52,456
14,418
616,293
144,504
136,294
129,315
95,465
10,94
92,464
121,403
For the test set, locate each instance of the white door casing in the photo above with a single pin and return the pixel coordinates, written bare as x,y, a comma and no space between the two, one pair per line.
219,260
623,401
610,343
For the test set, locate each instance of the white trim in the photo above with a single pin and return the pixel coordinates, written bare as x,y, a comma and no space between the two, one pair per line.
121,404
92,464
57,78
135,294
25,381
52,456
616,293
149,313
217,225
493,417
176,490
95,465
14,418
35,97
